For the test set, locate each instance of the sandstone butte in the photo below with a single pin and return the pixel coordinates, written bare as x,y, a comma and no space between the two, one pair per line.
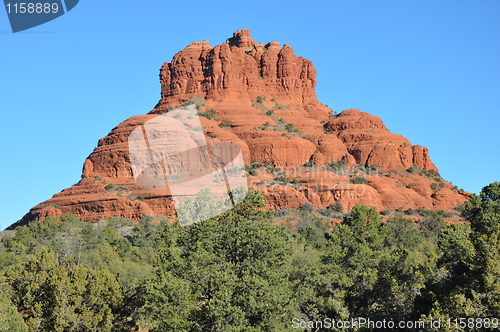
264,97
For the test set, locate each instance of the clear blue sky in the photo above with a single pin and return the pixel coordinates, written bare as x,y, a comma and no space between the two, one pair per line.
429,69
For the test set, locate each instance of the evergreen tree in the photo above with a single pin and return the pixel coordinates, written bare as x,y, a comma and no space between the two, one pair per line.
469,282
483,212
10,320
223,274
54,298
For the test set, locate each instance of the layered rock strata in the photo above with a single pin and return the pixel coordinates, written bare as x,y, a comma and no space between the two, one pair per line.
261,97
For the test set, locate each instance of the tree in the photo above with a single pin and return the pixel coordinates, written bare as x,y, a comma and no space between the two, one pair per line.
483,212
54,298
469,285
350,265
226,273
410,258
10,320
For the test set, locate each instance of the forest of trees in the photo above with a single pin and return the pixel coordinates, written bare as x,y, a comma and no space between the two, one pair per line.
245,271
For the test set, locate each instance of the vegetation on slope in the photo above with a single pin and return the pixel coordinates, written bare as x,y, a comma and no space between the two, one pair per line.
245,271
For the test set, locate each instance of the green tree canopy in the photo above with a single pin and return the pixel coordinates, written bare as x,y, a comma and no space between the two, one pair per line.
223,274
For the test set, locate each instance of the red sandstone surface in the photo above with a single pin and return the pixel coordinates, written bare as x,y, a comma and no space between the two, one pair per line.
264,97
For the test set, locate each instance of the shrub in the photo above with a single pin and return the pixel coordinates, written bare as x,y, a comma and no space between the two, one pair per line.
270,112
225,124
336,207
282,179
197,101
210,114
281,212
434,186
270,167
122,188
260,99
310,163
136,197
336,166
409,186
256,165
98,178
325,212
410,212
329,212
281,107
359,180
307,206
109,187
291,128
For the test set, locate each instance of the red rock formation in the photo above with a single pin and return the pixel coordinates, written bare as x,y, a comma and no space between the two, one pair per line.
369,141
262,98
234,73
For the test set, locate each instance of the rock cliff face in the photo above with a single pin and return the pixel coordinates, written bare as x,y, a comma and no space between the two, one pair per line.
234,73
261,97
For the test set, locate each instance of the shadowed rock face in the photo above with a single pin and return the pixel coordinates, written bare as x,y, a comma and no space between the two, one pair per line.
261,97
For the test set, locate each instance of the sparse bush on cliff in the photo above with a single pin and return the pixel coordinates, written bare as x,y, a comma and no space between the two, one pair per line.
251,171
265,126
225,124
210,114
359,180
436,185
338,166
133,197
291,128
282,179
197,101
281,107
309,164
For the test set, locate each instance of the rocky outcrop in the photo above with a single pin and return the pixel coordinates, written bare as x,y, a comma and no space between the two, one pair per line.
368,140
237,72
261,97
